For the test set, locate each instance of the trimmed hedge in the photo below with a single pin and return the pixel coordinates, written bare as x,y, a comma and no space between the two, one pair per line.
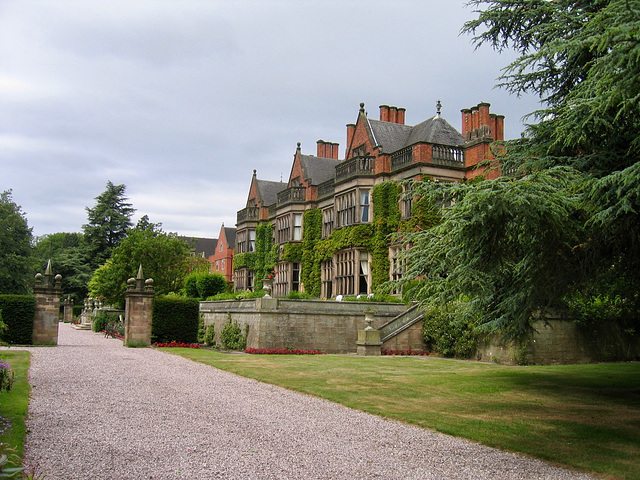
175,319
18,313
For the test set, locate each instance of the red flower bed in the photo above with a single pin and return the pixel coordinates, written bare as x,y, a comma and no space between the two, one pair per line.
177,344
404,352
282,351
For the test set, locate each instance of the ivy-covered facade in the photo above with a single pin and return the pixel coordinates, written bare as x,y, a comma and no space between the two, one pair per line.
328,229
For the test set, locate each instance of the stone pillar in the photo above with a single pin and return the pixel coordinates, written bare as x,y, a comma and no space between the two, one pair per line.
68,310
369,339
47,291
138,310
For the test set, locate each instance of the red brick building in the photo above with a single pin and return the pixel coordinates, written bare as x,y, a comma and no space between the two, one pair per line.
376,151
222,259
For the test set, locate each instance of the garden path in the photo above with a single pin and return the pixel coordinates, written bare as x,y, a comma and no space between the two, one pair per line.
99,410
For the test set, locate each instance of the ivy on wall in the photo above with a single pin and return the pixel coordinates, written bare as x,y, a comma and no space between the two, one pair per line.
310,274
375,237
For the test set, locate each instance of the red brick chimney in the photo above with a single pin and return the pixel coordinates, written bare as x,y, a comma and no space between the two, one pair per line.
393,114
384,113
351,130
479,123
400,116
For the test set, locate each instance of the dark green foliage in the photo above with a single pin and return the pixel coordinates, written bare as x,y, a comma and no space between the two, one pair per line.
210,335
102,319
15,248
175,319
510,246
386,219
201,329
296,295
18,313
107,223
311,264
204,285
164,257
68,255
266,254
77,310
231,336
449,332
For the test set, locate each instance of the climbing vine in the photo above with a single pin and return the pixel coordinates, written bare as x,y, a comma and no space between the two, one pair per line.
374,237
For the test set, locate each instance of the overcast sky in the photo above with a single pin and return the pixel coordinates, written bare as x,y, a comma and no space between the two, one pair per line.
180,100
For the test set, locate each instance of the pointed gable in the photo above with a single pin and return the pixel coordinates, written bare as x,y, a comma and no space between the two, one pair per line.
264,192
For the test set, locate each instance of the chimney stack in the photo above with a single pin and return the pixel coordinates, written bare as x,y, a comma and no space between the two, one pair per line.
384,113
479,123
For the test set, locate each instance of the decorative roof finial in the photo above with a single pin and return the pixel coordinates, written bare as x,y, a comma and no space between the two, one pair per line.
438,107
362,107
254,172
298,146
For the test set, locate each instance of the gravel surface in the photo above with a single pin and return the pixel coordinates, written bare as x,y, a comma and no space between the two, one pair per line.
102,411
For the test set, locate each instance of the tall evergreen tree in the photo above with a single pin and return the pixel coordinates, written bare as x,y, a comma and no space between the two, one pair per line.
15,247
107,225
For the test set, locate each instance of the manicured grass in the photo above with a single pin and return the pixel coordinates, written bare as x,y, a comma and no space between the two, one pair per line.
586,417
13,404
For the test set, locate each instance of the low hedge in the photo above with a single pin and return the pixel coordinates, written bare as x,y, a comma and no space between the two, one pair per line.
175,319
18,313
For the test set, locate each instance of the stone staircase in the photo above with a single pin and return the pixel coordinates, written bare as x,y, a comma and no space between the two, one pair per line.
401,323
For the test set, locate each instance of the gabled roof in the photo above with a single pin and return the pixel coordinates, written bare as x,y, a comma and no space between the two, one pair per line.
268,191
394,136
204,247
230,235
317,170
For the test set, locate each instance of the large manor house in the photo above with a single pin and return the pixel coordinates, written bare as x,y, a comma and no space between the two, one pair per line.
339,191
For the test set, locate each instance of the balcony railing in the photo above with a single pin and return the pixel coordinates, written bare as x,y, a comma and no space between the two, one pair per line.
447,155
355,166
326,189
292,194
248,214
401,158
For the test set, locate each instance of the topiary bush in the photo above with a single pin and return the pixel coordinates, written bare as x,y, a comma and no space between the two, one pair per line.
203,285
18,313
175,319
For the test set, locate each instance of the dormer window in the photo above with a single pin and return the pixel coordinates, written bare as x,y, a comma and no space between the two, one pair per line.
360,151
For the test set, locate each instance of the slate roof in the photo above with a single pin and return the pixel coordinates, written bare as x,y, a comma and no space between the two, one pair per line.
230,234
393,136
206,246
268,191
318,169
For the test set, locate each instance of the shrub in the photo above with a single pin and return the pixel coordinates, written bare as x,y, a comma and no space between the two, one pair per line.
6,376
102,319
18,313
175,319
76,310
201,330
203,285
210,336
231,336
448,333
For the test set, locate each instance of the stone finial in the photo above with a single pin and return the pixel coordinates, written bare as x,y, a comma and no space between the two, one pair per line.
438,108
362,107
140,279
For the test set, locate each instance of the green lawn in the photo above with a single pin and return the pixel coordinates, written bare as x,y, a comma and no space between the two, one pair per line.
586,417
13,404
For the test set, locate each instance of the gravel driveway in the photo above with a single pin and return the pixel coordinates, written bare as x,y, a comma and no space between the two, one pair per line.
102,411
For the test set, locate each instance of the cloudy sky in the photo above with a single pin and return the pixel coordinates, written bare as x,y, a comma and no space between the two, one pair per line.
181,99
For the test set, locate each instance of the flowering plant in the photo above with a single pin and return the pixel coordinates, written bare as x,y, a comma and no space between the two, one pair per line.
176,344
273,274
282,351
6,376
404,352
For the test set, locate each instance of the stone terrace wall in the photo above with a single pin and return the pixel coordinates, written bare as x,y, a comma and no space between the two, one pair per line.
560,341
331,327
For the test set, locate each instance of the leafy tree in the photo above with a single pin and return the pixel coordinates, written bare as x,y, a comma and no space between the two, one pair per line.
67,252
164,257
15,247
582,58
507,245
108,223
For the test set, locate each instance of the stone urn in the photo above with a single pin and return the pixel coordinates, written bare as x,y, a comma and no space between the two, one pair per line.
267,286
